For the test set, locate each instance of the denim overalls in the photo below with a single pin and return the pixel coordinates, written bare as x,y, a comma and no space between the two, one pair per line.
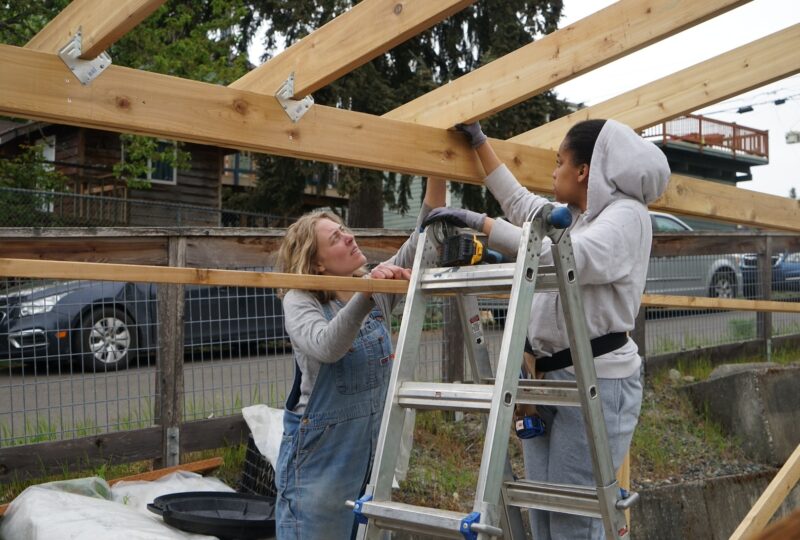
326,453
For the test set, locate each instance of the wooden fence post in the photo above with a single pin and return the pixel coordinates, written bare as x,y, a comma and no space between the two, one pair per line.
764,318
453,344
638,334
169,377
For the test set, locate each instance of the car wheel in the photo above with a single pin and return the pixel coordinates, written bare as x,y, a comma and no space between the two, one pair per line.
723,285
107,339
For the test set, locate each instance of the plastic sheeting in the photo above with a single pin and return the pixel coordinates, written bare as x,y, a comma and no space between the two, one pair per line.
89,509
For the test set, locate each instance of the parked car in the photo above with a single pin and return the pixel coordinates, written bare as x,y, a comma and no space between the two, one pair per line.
103,325
785,273
717,276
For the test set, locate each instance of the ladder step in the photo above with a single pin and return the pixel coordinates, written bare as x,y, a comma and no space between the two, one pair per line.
569,499
482,278
547,392
445,396
478,397
418,519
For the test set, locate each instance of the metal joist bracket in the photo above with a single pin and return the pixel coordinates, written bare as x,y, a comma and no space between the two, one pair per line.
84,70
294,108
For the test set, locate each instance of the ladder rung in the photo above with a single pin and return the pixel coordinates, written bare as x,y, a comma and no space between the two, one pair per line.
547,392
569,499
482,278
478,397
406,517
445,396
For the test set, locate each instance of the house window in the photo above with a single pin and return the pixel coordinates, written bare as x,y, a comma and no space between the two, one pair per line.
161,172
158,171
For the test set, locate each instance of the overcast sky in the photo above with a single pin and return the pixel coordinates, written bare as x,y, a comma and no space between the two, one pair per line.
742,25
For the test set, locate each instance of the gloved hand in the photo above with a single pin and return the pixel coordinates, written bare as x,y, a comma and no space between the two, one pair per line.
456,216
473,132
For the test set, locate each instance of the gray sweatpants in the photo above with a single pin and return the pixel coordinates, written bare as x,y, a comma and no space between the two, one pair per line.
562,454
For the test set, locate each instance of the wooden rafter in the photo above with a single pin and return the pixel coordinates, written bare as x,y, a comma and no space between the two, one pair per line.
128,100
620,29
758,63
102,21
348,41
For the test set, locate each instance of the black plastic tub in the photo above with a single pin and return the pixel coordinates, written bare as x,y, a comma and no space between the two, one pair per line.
227,516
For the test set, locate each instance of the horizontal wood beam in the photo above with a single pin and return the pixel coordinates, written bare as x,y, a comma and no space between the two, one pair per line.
620,29
198,276
102,22
205,276
700,302
750,66
352,39
127,100
132,101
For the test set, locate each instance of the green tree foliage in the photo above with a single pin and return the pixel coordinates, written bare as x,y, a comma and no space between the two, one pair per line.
485,31
29,171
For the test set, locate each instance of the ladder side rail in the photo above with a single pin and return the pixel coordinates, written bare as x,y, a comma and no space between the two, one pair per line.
511,520
403,369
472,330
586,377
509,363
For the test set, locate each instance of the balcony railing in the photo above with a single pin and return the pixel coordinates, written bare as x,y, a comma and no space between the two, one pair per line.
714,134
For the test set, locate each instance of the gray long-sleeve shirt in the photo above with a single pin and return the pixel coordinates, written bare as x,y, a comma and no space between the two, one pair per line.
316,340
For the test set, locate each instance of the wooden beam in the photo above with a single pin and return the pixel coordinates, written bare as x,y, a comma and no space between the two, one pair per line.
204,276
345,43
620,29
127,100
758,63
102,22
771,499
132,101
198,276
699,302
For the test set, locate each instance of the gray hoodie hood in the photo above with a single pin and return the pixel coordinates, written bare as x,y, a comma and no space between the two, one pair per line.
624,166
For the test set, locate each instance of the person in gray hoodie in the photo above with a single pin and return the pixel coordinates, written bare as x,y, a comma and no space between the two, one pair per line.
605,174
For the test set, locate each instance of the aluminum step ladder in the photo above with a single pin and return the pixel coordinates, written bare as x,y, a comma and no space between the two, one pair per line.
498,496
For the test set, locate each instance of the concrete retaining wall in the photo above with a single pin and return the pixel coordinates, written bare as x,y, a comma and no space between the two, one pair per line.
709,509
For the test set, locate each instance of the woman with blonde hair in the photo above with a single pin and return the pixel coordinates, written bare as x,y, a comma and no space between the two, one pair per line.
343,356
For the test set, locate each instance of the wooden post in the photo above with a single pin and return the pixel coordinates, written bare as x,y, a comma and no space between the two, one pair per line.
453,345
169,376
638,334
764,318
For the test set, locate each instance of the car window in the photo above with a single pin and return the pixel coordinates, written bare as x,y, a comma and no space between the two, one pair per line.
665,224
793,258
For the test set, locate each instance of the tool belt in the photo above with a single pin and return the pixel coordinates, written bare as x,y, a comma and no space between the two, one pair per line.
600,346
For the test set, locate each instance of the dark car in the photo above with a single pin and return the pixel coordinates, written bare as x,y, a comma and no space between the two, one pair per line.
785,273
103,325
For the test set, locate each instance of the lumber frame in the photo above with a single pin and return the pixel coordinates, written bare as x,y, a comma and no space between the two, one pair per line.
777,490
732,73
133,101
35,268
345,43
102,21
620,29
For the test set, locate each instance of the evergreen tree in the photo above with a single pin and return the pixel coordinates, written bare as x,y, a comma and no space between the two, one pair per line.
460,44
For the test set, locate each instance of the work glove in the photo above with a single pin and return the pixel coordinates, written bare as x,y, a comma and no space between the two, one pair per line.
456,216
473,132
